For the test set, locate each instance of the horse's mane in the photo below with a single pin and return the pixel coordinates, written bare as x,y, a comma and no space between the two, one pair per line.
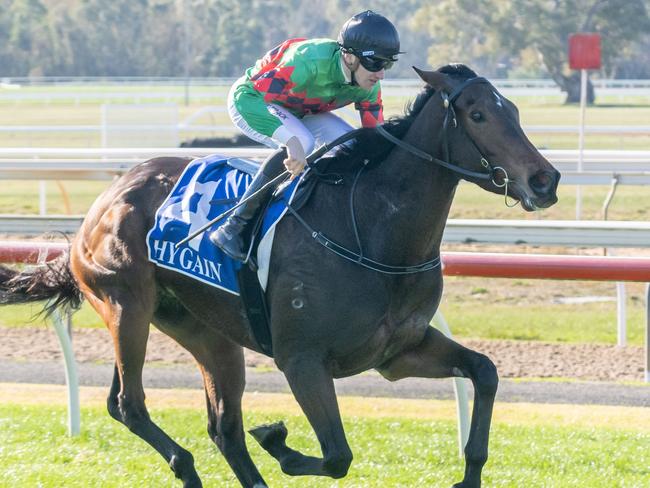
371,146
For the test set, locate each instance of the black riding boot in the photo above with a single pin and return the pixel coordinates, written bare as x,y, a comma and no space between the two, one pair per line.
229,237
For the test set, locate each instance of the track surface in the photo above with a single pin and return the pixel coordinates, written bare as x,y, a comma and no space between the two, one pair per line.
594,373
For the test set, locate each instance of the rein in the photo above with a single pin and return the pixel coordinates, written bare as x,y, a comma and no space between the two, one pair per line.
358,257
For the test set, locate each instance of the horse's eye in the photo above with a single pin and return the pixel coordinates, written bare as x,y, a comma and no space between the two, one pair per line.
476,116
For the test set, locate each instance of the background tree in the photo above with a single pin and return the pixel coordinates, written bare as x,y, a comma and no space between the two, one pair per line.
464,31
498,38
28,34
239,33
494,31
635,62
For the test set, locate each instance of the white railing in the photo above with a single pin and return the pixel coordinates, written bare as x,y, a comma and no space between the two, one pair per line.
631,130
48,90
599,167
227,81
571,233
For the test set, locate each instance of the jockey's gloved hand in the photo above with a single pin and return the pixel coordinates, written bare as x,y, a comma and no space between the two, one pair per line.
296,159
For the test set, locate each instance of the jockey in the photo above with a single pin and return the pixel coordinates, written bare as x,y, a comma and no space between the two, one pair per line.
285,102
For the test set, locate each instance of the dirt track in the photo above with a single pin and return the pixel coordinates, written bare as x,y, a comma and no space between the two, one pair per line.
514,359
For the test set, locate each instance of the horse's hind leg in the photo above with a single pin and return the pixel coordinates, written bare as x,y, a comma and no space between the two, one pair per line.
127,317
313,388
440,357
222,365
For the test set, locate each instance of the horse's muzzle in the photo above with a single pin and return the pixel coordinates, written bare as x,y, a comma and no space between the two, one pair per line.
544,184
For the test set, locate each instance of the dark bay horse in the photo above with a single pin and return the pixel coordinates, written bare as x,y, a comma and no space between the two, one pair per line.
330,317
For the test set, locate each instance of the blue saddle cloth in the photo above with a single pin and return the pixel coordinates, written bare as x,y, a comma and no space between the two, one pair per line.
207,188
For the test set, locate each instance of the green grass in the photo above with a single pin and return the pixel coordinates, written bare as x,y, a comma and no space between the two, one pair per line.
389,452
29,316
629,203
22,197
587,323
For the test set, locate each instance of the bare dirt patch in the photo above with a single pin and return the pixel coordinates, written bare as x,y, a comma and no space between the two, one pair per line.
514,359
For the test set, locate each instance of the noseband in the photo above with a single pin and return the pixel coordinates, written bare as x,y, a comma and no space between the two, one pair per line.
451,120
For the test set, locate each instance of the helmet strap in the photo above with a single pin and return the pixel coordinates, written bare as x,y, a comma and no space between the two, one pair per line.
353,81
353,78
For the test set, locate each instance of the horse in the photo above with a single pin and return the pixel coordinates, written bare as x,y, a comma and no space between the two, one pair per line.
359,297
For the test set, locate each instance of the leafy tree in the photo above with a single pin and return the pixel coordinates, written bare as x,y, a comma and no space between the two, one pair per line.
495,30
224,37
240,32
6,58
635,62
464,31
28,35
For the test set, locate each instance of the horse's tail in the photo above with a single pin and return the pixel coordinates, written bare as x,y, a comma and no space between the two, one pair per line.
52,281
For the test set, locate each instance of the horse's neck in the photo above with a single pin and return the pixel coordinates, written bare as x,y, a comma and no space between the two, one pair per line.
416,194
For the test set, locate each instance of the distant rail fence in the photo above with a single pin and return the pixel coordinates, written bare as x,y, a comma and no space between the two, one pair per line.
89,90
569,233
599,166
626,130
213,91
227,81
201,82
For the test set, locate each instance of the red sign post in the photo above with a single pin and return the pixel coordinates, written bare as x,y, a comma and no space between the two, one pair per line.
584,54
584,51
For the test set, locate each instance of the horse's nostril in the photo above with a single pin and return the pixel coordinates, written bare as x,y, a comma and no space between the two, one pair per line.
543,182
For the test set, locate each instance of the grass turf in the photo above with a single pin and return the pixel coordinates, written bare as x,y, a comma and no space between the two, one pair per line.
396,443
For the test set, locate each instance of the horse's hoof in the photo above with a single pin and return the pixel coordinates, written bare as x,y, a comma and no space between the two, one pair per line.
270,434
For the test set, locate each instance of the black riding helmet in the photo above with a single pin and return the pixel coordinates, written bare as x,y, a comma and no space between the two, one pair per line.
372,38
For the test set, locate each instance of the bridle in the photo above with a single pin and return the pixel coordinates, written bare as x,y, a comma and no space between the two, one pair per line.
450,119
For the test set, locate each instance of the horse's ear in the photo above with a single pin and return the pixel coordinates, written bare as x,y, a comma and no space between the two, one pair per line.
434,79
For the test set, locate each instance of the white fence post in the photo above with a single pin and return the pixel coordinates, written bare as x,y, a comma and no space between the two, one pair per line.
42,198
460,389
621,315
60,322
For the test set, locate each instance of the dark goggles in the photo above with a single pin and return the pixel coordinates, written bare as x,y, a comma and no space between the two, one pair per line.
374,64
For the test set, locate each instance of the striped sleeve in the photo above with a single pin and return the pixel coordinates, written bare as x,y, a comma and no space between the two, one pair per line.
371,109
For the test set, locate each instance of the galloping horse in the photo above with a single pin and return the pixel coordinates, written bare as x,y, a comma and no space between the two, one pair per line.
333,314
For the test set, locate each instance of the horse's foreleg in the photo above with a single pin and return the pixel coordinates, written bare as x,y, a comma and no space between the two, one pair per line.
437,356
128,323
222,365
313,388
